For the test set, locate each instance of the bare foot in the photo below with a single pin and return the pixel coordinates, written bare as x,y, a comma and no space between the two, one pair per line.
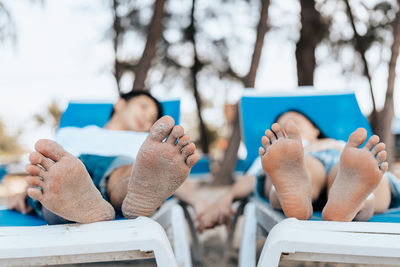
283,161
360,171
66,187
160,168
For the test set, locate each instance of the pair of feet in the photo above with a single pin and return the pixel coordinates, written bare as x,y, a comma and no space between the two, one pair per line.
360,171
61,183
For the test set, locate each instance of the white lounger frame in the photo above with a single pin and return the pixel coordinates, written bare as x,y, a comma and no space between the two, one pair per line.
140,238
291,239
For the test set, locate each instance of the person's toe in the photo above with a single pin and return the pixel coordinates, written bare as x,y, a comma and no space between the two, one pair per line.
265,142
277,129
384,166
161,128
35,170
38,158
35,193
378,148
176,133
372,141
357,138
188,150
183,141
381,156
34,181
192,160
50,149
271,136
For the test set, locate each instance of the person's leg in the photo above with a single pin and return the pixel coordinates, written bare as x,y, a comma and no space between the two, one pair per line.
160,168
117,185
359,173
60,182
282,157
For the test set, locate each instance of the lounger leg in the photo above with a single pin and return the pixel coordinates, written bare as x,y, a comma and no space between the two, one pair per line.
247,254
171,216
235,219
195,248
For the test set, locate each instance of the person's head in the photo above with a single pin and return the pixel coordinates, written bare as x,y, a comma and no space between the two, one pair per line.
135,111
307,128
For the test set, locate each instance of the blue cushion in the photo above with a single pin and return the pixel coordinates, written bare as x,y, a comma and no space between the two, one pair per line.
3,171
14,218
84,114
390,216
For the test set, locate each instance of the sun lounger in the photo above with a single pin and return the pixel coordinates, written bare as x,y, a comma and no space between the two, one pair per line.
26,240
337,114
33,243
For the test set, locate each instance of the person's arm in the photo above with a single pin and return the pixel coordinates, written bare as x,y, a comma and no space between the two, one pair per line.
187,194
18,202
221,211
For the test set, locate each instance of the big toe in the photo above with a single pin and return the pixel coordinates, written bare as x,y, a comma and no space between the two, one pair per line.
162,128
291,130
357,138
50,149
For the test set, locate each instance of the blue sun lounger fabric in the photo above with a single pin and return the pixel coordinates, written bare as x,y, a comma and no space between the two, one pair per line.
80,114
335,113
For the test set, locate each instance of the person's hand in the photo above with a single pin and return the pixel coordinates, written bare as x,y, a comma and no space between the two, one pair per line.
216,214
18,202
200,205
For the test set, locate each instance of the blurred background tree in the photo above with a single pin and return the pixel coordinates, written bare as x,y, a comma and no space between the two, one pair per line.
9,142
51,115
174,42
212,48
9,145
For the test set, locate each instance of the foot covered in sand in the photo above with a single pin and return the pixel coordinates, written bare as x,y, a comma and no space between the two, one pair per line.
360,171
61,183
160,168
282,157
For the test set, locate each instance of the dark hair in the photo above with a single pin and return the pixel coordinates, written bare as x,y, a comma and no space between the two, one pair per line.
321,134
136,93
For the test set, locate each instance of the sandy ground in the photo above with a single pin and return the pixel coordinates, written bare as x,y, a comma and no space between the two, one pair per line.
213,242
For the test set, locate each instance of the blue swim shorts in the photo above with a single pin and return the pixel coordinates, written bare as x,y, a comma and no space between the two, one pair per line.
329,158
395,190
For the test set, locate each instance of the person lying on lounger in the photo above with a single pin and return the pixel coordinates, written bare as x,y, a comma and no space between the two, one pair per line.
300,167
63,188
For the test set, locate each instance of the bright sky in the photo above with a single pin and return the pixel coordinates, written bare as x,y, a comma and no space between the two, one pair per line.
61,54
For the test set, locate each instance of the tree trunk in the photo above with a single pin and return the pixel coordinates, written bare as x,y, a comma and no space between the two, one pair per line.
225,174
155,31
384,129
262,28
116,38
311,34
360,48
194,70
